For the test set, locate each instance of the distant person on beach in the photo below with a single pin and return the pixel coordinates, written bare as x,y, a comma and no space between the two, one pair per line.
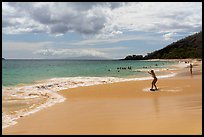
155,79
191,67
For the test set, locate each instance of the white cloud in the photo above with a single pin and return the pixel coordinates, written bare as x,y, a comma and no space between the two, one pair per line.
169,36
101,19
78,52
55,18
113,40
159,17
70,52
51,49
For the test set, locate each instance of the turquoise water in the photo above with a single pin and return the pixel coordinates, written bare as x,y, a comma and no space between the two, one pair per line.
16,72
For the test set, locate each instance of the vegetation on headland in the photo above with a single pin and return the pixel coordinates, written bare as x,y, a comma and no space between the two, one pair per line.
3,58
134,57
189,47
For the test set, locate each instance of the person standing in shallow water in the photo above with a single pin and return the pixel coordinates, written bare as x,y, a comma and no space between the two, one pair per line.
154,80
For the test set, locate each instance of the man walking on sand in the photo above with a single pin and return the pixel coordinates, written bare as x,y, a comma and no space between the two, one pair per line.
191,67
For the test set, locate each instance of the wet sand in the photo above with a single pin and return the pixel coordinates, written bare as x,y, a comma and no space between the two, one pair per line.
123,108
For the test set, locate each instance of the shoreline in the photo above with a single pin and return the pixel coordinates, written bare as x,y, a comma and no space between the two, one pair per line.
62,92
48,98
183,60
46,91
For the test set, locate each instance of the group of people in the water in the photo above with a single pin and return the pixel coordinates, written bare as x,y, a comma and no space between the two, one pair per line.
129,67
122,68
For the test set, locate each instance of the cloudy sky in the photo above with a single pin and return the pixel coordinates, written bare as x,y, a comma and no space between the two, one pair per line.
94,29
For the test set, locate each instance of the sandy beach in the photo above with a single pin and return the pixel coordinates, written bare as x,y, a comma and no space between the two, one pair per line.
123,108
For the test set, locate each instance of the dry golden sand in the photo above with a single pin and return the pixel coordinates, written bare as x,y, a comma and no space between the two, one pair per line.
122,108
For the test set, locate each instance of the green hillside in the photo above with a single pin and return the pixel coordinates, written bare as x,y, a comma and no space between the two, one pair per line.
189,47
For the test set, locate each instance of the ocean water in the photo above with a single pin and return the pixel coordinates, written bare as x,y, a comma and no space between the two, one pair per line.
16,72
31,85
